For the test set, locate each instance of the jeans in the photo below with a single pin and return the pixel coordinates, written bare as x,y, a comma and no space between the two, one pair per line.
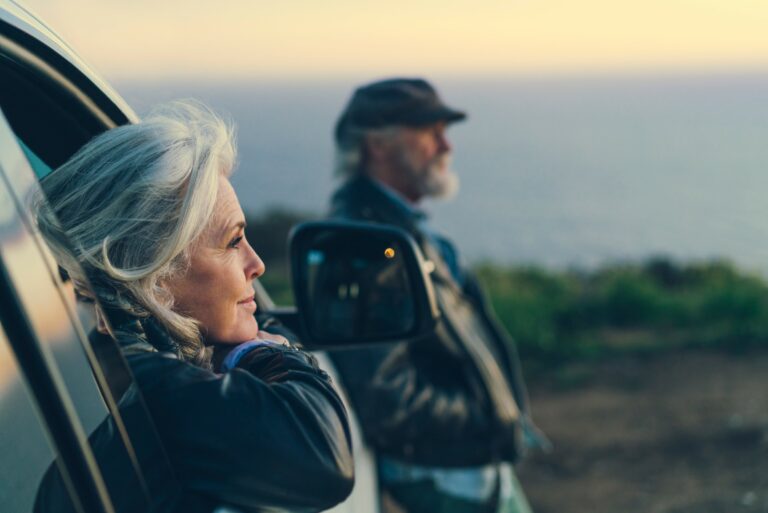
423,496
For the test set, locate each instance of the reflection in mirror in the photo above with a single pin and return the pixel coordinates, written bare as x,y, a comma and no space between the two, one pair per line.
355,287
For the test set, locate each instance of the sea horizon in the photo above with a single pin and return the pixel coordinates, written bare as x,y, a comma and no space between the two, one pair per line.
555,171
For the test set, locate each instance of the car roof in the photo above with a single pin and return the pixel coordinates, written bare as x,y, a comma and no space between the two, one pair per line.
21,18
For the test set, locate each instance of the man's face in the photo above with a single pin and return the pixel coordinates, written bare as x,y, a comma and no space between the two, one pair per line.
421,156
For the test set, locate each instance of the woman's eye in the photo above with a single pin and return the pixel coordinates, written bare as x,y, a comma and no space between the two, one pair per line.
235,242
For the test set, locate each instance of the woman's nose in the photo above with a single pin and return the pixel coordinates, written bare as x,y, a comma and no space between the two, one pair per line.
255,265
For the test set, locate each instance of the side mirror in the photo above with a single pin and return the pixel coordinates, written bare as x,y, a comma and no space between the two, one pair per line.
359,283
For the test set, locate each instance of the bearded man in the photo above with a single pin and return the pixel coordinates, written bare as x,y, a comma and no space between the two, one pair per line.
448,415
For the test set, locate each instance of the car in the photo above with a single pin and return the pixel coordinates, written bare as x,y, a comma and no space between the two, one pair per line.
58,386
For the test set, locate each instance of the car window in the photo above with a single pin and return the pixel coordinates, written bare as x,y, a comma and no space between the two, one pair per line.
93,375
40,168
44,301
44,114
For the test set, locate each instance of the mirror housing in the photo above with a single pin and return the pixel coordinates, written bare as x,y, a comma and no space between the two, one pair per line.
359,283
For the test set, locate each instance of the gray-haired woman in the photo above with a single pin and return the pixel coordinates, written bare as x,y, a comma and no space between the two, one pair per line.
145,219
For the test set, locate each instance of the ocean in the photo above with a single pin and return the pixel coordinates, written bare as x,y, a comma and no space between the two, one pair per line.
557,171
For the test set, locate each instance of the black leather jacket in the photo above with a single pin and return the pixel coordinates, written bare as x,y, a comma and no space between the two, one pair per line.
455,399
269,435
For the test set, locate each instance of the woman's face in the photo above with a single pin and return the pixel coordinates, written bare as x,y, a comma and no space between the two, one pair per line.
217,288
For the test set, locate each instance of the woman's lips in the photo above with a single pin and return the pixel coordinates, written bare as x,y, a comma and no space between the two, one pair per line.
248,303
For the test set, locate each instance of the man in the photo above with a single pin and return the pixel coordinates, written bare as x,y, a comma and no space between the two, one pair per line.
445,415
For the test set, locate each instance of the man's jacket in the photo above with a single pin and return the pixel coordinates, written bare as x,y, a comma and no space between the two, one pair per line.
454,399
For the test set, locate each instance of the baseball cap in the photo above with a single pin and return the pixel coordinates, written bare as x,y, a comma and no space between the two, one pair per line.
395,101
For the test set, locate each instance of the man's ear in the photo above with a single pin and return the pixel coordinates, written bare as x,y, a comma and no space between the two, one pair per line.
377,147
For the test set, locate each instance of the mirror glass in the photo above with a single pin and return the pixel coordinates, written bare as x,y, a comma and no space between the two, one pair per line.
355,286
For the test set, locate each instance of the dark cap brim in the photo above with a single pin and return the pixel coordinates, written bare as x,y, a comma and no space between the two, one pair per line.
441,113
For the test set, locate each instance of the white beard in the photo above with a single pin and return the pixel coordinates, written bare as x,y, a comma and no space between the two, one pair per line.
440,181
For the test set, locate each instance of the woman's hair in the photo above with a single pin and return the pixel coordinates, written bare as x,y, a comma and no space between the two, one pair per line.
123,213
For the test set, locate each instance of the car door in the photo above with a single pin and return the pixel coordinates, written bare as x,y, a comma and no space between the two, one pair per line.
365,495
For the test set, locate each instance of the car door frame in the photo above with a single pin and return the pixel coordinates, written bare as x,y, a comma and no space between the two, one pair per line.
55,407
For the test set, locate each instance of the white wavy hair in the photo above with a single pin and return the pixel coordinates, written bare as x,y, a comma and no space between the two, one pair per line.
124,211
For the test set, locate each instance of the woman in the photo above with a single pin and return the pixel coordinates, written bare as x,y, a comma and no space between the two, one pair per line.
145,219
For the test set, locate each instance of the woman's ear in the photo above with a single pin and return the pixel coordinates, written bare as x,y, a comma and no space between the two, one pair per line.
78,289
102,326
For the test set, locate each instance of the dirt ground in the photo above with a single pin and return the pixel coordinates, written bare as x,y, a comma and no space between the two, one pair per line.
672,433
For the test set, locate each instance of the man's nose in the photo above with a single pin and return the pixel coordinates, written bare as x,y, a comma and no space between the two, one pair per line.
443,144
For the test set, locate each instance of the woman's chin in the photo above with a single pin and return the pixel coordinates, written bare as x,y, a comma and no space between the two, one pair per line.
245,332
251,331
246,329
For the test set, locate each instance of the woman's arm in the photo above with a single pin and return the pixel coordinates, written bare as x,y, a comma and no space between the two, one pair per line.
270,433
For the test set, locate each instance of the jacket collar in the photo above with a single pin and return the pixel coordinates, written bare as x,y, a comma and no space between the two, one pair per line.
369,199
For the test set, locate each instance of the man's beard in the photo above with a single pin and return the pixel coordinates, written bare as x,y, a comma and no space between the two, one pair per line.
439,180
436,180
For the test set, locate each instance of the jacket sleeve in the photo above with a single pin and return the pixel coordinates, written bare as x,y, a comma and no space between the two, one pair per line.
506,346
271,433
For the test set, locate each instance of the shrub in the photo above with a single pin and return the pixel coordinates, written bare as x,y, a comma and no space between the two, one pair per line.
659,304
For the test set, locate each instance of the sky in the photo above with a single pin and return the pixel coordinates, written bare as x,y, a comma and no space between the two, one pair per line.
327,39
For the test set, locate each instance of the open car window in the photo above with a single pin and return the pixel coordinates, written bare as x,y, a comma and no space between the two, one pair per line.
105,408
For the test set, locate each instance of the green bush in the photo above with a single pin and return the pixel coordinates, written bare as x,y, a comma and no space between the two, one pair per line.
659,304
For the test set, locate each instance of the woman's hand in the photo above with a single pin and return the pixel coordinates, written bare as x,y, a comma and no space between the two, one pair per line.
222,351
271,337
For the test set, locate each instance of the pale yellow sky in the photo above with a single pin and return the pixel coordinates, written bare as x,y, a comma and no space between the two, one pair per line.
332,38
